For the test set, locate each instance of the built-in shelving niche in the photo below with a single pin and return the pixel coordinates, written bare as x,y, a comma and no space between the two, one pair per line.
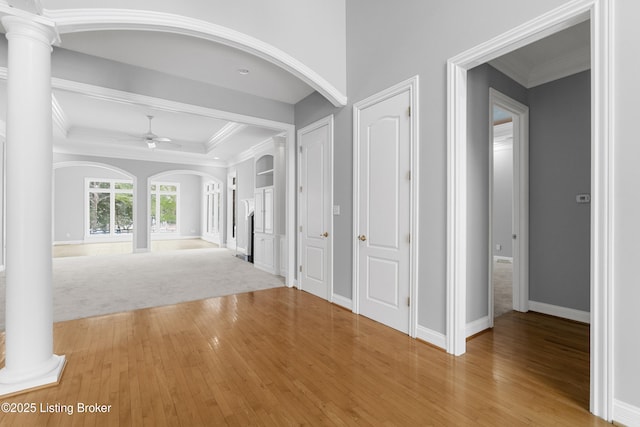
264,171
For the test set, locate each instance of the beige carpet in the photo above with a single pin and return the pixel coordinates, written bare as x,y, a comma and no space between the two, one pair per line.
91,286
502,287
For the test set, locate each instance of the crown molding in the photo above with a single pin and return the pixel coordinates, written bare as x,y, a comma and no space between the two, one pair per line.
223,135
79,20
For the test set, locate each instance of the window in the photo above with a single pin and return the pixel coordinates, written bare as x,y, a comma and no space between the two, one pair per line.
164,207
212,203
110,207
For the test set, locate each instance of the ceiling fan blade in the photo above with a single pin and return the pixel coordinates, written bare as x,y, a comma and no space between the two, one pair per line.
161,139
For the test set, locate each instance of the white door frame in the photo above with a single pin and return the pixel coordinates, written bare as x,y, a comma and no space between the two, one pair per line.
520,203
326,121
599,12
412,86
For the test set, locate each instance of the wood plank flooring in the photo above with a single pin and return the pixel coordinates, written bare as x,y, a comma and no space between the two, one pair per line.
284,357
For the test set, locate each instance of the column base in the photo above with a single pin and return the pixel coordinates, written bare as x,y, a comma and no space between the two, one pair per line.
12,384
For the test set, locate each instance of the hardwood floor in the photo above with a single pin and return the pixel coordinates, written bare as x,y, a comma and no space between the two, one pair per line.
284,357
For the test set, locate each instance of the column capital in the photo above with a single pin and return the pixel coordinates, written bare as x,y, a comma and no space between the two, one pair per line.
25,27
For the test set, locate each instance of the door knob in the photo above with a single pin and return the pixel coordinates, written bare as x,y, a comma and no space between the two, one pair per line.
325,234
362,237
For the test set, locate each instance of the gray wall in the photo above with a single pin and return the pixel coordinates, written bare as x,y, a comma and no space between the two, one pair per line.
83,68
378,59
141,171
69,200
560,168
190,202
479,150
502,200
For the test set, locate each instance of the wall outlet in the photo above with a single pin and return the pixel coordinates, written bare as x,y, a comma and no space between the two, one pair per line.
583,198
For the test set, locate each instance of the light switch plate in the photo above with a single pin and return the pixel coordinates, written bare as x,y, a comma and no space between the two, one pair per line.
583,198
336,209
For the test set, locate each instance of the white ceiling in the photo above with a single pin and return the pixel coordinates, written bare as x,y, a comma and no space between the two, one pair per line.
559,55
86,124
102,126
191,58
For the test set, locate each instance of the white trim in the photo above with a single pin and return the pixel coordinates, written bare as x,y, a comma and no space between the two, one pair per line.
573,12
152,209
326,121
69,242
342,301
478,325
558,311
431,337
59,117
572,63
112,191
625,414
94,19
223,134
519,203
503,258
132,177
412,86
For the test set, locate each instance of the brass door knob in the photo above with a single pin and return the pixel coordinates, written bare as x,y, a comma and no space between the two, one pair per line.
325,234
362,237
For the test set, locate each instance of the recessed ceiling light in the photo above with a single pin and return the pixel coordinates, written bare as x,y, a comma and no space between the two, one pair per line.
243,71
216,158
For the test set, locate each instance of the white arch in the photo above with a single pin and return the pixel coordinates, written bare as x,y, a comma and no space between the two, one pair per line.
183,172
81,163
80,20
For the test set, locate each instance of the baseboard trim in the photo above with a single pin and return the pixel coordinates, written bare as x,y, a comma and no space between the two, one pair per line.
342,301
160,236
478,326
210,239
432,337
68,242
141,250
625,414
2,268
564,312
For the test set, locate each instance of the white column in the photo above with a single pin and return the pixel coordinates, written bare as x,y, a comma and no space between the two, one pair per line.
29,360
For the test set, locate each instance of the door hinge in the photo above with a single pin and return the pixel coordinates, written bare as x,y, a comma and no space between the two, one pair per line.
409,238
301,188
300,149
409,175
408,301
301,229
409,111
300,269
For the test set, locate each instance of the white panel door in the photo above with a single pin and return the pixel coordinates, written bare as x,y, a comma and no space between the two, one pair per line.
315,209
383,227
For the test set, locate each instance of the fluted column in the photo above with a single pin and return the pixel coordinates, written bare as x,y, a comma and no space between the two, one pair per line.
29,360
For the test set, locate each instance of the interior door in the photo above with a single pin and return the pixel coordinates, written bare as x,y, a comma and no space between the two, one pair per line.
315,209
383,218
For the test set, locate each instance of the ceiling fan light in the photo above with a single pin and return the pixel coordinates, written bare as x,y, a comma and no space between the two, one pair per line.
151,144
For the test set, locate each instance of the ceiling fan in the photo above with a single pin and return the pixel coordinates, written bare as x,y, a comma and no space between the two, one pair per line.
151,138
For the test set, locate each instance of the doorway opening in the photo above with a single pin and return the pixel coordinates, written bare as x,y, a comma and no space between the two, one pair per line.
502,211
508,205
598,13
